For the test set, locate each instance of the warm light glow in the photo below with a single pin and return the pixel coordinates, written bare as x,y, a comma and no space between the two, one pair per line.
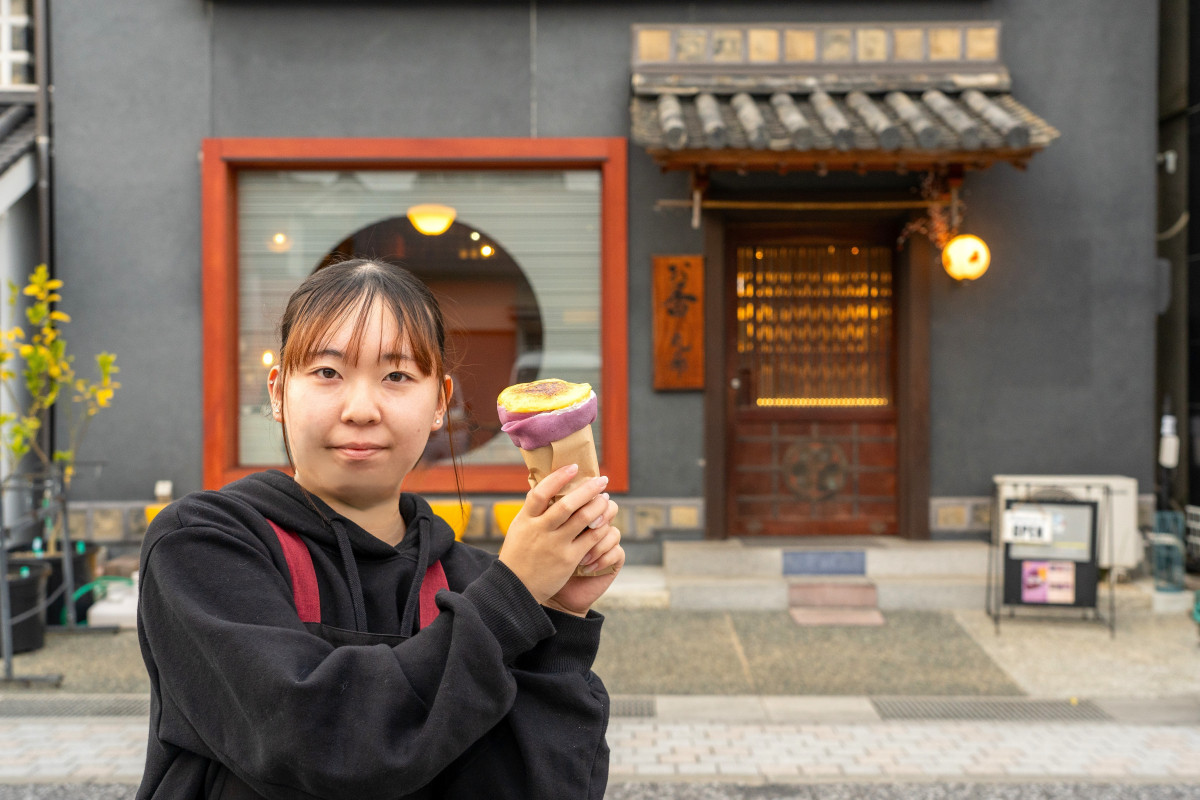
268,358
966,257
431,219
474,236
812,402
486,250
279,242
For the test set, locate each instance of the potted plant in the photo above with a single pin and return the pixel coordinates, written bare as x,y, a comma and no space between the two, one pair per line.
38,375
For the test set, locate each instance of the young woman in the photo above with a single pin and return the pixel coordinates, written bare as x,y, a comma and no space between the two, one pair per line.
288,623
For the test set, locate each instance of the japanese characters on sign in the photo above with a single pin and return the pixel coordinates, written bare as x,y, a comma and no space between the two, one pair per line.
678,300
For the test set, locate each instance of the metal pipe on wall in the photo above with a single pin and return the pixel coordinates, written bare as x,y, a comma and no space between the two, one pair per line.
41,21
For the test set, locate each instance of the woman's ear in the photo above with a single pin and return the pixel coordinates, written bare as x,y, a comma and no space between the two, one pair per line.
439,416
275,389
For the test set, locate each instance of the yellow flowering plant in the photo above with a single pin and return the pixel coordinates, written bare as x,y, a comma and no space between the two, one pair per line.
36,372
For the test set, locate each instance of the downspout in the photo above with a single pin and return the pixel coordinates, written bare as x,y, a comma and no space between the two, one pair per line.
41,46
41,19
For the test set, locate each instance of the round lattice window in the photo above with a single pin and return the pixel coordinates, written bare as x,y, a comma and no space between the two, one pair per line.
814,469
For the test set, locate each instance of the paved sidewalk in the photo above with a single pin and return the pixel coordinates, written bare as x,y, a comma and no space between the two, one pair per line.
753,740
757,740
927,699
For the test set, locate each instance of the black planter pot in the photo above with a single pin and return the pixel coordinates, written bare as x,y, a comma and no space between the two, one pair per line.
83,567
26,593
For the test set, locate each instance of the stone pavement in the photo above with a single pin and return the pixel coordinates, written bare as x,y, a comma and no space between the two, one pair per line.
749,740
751,699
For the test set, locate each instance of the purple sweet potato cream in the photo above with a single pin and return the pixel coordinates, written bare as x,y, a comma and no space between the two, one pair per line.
531,431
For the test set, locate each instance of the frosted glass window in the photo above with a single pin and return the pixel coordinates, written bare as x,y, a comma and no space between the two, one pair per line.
517,274
16,45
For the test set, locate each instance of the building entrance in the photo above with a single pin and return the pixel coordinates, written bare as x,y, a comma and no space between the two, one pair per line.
811,367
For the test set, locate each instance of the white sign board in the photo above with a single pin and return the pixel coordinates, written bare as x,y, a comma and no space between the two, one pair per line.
1029,526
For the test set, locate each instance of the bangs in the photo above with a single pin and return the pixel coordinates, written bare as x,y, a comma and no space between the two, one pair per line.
317,315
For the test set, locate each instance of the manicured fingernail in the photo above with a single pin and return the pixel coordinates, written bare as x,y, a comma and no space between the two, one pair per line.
605,495
596,523
603,480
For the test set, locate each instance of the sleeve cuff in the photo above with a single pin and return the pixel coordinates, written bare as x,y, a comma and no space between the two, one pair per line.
509,611
573,647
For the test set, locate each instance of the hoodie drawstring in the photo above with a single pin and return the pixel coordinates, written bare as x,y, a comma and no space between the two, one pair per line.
352,579
412,605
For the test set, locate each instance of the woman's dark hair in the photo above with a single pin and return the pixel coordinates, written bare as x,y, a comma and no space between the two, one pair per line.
348,290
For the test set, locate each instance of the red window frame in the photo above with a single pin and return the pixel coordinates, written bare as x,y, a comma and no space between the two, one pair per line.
223,159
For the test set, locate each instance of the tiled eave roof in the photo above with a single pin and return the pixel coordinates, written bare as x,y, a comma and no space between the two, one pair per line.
837,130
18,130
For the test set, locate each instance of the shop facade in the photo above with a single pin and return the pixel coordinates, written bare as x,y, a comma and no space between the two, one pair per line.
752,281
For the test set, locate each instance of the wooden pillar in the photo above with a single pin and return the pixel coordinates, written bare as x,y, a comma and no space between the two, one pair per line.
717,405
913,282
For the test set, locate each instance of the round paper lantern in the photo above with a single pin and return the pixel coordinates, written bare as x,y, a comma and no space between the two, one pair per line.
966,257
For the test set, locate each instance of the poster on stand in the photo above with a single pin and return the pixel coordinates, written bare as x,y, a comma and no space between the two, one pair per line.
1057,566
1049,582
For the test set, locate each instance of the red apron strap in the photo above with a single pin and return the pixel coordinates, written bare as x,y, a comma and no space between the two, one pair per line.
435,581
304,577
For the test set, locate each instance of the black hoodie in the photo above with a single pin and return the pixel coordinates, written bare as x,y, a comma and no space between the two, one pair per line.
494,699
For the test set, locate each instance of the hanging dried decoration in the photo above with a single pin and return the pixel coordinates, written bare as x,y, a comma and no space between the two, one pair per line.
939,224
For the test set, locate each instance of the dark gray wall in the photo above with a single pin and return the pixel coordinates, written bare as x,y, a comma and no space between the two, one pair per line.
1044,365
131,104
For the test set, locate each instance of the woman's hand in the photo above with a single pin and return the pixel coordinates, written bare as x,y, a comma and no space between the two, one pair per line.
580,591
547,540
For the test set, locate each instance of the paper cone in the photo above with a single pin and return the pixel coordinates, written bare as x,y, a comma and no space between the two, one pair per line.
576,448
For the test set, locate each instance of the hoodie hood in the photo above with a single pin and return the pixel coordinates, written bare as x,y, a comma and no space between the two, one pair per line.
280,499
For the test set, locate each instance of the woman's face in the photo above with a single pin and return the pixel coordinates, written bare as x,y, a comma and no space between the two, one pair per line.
355,430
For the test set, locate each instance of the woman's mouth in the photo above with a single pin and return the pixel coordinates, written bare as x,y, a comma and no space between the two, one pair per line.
359,450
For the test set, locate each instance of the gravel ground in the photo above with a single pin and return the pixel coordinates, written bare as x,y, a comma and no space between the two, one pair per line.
1152,654
913,653
90,663
656,651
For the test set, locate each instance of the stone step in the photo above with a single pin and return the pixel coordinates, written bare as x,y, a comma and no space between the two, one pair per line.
894,558
928,558
932,593
832,615
721,559
727,594
854,593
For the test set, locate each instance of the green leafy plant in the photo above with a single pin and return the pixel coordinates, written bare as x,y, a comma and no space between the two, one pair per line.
36,373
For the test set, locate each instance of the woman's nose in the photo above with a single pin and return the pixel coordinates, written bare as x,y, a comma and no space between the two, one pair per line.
361,403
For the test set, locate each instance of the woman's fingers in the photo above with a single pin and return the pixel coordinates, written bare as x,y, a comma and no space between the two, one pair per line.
610,512
540,497
611,539
609,562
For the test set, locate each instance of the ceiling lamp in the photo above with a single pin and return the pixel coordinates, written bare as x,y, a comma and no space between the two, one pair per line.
966,257
279,242
431,219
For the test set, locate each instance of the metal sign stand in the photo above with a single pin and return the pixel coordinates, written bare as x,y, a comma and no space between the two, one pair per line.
996,557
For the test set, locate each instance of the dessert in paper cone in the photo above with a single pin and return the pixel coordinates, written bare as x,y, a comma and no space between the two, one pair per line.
551,422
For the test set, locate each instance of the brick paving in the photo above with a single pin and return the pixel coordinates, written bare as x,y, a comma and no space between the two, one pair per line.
780,753
107,750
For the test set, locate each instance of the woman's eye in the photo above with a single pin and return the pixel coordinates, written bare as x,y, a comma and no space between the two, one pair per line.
328,373
396,376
